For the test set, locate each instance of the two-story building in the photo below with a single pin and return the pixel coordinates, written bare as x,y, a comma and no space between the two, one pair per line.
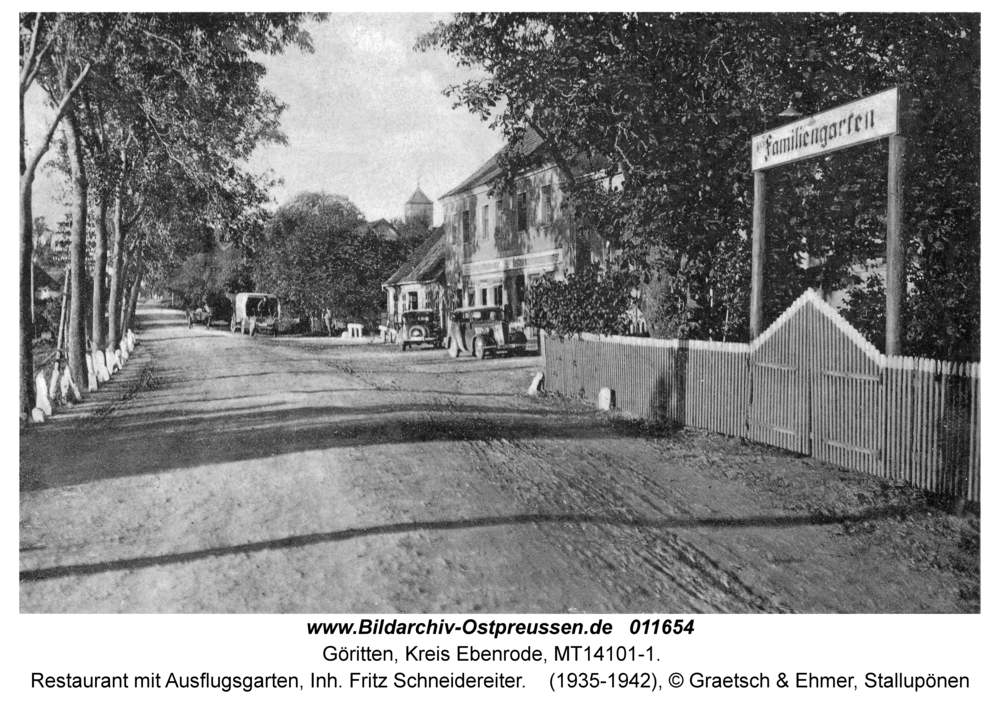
498,244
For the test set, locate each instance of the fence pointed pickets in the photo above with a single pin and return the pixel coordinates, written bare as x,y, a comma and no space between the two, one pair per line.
810,383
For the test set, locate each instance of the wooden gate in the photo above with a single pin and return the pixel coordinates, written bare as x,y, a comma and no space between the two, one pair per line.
817,387
780,402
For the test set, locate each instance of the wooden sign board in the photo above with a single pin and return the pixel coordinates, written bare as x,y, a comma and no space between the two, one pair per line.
864,120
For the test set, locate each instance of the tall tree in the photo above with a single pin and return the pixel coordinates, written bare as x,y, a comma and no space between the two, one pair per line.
319,252
159,87
41,36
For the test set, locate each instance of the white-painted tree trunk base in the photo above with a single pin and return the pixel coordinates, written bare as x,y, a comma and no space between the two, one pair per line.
537,384
606,399
113,362
67,388
100,368
37,416
92,382
42,401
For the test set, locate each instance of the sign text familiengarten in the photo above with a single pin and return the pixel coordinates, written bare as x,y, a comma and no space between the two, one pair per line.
864,120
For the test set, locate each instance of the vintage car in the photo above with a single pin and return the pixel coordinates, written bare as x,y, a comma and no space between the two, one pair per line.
419,328
483,330
255,312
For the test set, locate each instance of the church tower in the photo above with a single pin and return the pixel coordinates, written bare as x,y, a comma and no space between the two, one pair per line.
419,207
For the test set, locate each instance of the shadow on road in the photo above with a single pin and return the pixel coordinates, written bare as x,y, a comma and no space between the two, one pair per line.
304,540
157,443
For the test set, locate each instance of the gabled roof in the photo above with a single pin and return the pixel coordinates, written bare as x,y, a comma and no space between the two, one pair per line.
425,263
490,170
419,197
579,164
384,228
431,266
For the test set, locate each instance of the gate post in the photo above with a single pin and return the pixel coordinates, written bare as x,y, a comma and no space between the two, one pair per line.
758,255
895,251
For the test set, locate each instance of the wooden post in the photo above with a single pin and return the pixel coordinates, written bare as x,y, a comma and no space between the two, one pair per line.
895,251
759,254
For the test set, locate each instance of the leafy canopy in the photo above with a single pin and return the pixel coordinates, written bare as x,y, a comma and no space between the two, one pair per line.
672,100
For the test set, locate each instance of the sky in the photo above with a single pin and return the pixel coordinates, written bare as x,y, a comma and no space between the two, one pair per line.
366,118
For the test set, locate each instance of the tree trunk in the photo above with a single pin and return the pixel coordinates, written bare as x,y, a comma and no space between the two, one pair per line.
27,364
116,288
28,165
97,325
133,299
76,339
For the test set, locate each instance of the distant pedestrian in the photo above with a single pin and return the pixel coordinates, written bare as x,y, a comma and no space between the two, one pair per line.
328,321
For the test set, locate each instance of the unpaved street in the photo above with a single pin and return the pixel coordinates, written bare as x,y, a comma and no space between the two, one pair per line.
221,473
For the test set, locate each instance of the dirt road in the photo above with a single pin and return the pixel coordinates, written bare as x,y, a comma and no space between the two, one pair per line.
221,473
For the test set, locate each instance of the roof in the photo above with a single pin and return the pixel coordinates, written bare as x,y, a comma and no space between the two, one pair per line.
425,263
384,228
419,197
491,170
532,142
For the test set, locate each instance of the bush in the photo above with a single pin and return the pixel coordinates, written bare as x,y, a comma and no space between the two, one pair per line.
590,300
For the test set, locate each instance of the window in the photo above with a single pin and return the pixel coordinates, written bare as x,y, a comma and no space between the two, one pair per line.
466,227
472,297
498,295
522,212
413,301
547,204
482,296
486,221
519,295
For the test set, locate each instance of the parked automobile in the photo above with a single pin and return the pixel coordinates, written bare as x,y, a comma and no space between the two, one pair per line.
255,312
419,328
482,331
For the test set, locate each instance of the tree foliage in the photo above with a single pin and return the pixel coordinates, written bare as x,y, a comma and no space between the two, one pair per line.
161,111
318,252
588,301
672,100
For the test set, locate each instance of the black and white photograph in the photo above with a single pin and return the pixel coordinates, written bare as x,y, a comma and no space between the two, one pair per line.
574,314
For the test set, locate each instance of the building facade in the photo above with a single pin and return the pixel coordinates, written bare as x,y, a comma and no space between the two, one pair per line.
498,245
419,283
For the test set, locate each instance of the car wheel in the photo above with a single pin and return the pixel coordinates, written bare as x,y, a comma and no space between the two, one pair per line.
453,348
478,349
